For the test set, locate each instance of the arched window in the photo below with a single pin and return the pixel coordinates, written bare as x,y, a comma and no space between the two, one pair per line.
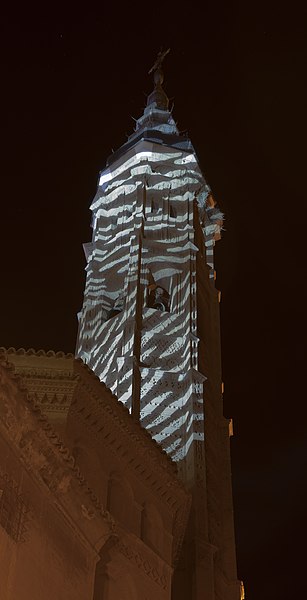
121,501
172,211
152,528
158,298
112,582
90,466
154,206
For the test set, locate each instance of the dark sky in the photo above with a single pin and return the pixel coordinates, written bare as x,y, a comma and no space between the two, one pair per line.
71,80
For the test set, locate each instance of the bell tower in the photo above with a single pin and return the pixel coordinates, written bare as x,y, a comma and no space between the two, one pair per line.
149,326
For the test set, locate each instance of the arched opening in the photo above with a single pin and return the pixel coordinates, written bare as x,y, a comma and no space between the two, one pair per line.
120,585
121,501
158,298
112,582
152,528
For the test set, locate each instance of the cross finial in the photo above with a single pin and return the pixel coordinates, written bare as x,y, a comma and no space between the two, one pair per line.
156,69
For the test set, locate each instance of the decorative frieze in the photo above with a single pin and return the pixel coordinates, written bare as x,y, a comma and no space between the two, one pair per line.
142,563
14,509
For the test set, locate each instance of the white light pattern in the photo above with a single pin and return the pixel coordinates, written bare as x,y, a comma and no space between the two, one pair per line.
143,244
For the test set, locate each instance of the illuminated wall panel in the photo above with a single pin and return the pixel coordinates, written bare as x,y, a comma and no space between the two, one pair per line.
138,324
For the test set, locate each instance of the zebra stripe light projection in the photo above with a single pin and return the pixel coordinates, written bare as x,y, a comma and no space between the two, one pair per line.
138,324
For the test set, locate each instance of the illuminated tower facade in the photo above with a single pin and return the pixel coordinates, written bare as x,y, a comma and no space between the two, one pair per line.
149,326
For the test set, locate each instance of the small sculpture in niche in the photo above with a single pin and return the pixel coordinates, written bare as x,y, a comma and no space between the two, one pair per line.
158,298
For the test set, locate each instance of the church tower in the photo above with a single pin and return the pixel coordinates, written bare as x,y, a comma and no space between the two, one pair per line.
149,327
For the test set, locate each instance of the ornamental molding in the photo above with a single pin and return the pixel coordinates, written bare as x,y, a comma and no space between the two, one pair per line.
43,374
138,559
32,352
107,420
46,458
50,383
15,524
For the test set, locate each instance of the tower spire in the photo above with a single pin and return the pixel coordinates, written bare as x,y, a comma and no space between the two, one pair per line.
149,327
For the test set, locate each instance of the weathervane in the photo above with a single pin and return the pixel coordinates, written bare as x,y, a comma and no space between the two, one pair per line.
157,67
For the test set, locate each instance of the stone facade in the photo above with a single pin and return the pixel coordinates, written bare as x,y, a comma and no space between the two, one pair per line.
90,508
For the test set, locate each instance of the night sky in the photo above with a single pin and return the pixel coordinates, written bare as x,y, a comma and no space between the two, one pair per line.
71,81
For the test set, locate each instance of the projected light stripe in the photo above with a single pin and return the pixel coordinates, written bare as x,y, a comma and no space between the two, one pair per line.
139,306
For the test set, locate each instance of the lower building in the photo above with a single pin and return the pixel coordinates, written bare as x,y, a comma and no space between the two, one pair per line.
91,508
